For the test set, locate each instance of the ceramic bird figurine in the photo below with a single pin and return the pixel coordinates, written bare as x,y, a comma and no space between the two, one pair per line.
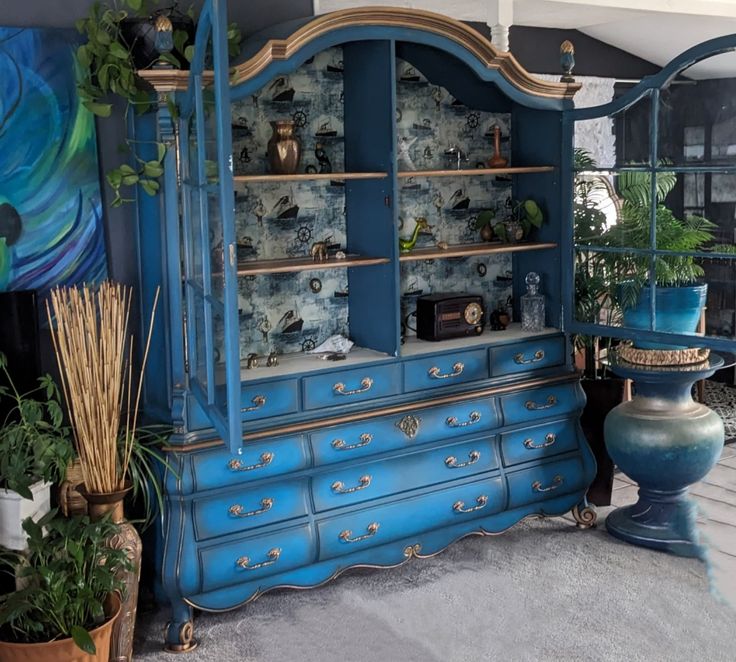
567,61
405,245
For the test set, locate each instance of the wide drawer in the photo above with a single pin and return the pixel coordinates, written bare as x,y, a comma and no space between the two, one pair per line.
384,433
544,402
239,510
538,442
528,355
445,370
255,460
544,482
268,399
251,558
371,480
348,386
375,526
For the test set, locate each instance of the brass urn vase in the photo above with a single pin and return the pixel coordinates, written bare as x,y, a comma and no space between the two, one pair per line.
284,149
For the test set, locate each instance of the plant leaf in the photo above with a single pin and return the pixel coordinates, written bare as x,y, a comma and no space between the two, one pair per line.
83,640
99,109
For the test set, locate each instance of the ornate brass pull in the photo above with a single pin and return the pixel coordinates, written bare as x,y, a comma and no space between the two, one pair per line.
365,385
258,402
521,360
533,406
457,369
372,529
472,420
340,445
549,439
237,465
338,487
459,506
556,482
273,556
409,425
452,462
236,510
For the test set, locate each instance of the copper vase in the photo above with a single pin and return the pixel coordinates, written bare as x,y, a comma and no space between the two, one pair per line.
284,149
127,539
497,161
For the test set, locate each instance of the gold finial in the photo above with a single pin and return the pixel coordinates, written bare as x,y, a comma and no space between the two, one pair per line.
567,47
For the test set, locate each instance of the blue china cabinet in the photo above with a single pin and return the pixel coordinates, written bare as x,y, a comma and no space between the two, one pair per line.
289,471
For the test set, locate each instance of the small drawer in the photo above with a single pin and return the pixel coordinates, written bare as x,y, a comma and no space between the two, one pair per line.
529,355
544,402
371,527
372,480
538,442
246,509
545,482
445,370
253,558
377,435
348,386
269,399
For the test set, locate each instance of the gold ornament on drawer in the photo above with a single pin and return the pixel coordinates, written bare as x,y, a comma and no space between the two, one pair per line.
534,406
338,487
237,465
457,370
365,385
556,482
549,439
236,510
409,425
371,529
340,445
521,359
459,506
452,463
258,402
453,422
273,556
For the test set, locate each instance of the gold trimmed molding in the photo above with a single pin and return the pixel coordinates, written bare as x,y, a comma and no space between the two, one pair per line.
399,17
170,80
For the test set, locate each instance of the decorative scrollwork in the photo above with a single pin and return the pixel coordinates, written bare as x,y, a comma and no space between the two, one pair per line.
409,425
586,517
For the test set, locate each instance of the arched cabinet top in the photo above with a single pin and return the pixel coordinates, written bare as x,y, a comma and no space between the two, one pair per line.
281,48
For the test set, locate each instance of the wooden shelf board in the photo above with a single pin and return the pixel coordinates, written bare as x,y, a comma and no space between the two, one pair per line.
287,265
474,172
299,177
464,250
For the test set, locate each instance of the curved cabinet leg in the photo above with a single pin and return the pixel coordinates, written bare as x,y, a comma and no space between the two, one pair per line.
179,632
585,515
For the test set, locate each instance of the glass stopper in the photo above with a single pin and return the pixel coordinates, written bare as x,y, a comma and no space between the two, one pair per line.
532,282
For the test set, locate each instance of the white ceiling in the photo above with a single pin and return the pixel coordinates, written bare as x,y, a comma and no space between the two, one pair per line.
656,30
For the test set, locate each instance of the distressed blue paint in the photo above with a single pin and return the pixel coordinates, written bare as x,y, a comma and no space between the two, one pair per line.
539,442
429,373
541,403
358,385
522,357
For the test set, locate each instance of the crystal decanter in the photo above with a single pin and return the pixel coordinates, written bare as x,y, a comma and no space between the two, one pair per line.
532,305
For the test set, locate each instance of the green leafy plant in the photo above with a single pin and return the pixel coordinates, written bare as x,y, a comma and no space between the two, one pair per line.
34,443
65,575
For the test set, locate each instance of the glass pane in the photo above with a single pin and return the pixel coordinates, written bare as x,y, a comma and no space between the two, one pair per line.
697,115
217,253
193,167
596,209
200,366
617,140
720,307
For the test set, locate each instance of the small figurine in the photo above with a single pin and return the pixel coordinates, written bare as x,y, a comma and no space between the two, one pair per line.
405,245
251,361
324,162
567,61
340,255
319,251
497,161
443,245
272,360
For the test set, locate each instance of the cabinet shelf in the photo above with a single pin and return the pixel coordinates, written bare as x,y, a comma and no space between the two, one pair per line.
287,265
474,172
303,177
465,250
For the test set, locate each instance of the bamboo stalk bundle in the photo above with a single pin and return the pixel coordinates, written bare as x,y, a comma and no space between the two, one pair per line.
89,329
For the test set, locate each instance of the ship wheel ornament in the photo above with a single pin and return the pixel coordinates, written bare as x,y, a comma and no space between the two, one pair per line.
472,120
308,344
303,234
300,118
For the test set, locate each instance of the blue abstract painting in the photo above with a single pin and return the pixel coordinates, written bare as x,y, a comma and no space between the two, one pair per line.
51,230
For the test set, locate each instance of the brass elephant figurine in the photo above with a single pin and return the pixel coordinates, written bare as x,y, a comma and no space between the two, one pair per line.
319,251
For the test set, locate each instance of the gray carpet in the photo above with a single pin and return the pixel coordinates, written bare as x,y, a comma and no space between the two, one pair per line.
542,591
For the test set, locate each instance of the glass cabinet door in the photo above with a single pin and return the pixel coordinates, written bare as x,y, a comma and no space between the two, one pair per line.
208,230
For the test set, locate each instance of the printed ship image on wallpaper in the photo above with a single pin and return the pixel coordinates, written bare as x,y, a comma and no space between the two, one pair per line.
50,208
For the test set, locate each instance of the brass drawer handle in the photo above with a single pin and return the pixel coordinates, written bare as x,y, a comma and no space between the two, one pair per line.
457,370
340,445
472,420
237,465
338,487
372,529
452,462
409,425
534,406
556,482
365,385
236,510
549,439
521,359
273,556
258,402
459,506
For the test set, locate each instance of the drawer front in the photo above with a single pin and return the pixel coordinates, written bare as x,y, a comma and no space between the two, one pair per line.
538,403
270,399
538,442
525,356
446,370
544,482
259,459
371,480
251,558
377,435
359,530
240,510
348,386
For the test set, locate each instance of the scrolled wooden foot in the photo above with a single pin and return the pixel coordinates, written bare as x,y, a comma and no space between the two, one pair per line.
585,515
179,631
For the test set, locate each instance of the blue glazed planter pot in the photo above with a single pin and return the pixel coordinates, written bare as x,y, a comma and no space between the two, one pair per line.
678,310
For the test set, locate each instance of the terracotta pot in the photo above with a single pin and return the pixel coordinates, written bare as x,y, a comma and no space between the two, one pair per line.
65,650
284,149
